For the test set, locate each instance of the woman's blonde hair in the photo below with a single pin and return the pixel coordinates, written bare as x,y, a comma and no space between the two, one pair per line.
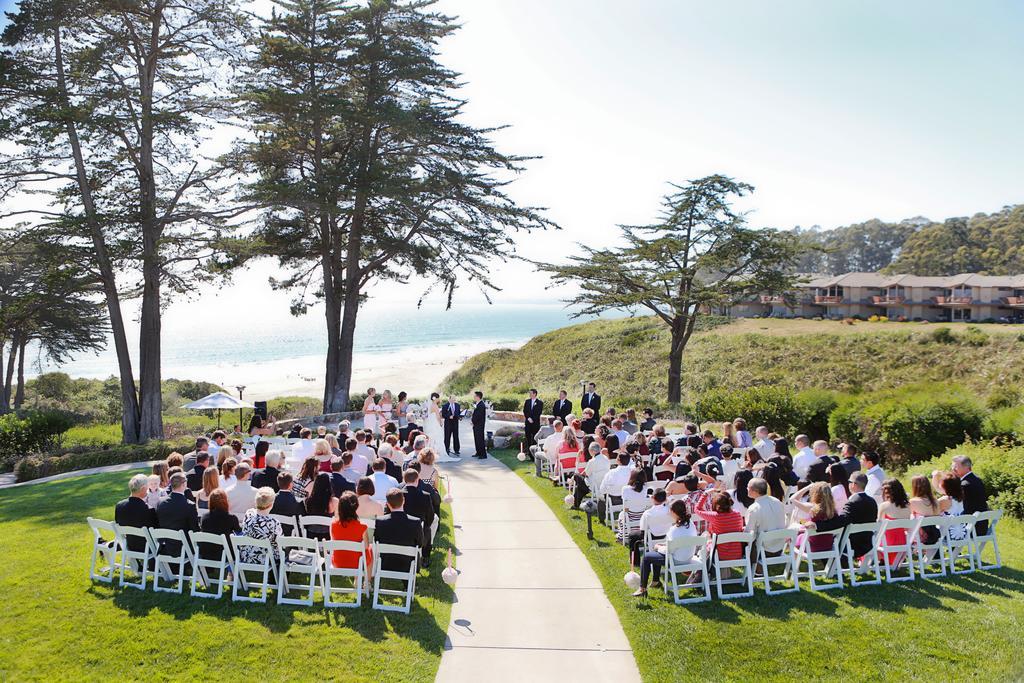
824,505
160,470
211,480
321,447
332,440
264,498
569,436
427,456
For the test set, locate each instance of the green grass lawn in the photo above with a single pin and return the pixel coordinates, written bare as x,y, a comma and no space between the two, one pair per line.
58,625
967,627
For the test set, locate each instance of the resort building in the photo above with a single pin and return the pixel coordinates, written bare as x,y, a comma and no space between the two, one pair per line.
899,297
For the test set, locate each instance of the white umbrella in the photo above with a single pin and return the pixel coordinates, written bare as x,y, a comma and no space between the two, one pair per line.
218,401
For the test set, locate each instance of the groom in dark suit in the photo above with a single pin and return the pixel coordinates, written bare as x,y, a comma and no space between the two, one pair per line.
591,400
479,421
451,413
533,407
562,407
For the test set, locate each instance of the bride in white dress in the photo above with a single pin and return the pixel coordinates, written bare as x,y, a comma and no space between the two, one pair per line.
434,429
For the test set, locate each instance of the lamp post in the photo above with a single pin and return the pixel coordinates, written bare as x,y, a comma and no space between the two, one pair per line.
240,388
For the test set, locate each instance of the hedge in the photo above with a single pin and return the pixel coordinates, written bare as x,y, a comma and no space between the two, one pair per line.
39,466
910,424
30,432
781,410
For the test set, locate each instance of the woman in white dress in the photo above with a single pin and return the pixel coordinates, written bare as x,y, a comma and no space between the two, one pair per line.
385,407
370,411
433,427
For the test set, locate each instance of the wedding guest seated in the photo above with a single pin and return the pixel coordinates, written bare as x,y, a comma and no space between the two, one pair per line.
176,512
217,441
751,459
242,495
428,472
715,508
347,527
923,503
685,488
551,443
951,502
351,473
189,459
392,465
285,502
155,493
259,427
839,481
589,423
397,528
821,508
743,437
368,507
655,520
258,523
320,502
382,483
613,482
268,475
849,458
763,442
634,503
818,469
729,435
211,482
335,445
418,504
860,508
741,499
228,476
295,431
363,454
195,475
895,505
618,431
804,457
629,424
133,511
568,454
648,423
304,482
730,465
416,442
876,475
259,459
236,449
344,430
712,444
220,521
662,466
323,455
764,513
781,444
340,484
654,559
594,471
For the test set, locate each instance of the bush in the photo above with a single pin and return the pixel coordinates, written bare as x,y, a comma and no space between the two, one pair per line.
942,335
973,336
38,466
1004,425
778,409
30,432
910,424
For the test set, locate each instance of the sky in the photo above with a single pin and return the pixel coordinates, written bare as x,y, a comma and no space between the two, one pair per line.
836,112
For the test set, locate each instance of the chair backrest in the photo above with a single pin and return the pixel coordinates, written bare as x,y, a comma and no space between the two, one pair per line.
285,520
691,545
219,540
239,542
175,535
990,516
390,549
940,522
734,537
370,522
350,546
306,521
138,532
786,535
911,525
286,543
99,525
834,533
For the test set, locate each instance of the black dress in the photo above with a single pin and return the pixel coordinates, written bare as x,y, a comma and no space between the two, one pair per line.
217,522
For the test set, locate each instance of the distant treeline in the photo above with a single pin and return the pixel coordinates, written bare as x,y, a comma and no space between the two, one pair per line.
991,244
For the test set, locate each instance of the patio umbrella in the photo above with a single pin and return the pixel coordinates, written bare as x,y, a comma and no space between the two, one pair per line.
218,401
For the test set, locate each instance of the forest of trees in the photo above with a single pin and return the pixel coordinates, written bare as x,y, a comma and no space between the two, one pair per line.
991,244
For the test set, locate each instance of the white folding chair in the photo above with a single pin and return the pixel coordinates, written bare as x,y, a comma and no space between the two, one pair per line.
315,526
829,557
203,569
741,564
894,555
694,547
371,525
266,568
408,576
298,555
104,549
611,512
785,559
358,575
929,554
168,564
288,523
135,561
869,561
992,517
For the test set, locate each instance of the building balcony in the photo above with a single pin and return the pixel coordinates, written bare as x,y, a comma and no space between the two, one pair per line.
953,301
824,300
773,299
886,300
1014,301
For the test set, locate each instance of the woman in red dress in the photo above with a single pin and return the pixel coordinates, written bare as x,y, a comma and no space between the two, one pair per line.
347,527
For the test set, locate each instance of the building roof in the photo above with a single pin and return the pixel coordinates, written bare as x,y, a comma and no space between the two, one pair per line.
938,282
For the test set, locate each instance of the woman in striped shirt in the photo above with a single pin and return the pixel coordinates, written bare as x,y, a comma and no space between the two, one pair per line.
715,508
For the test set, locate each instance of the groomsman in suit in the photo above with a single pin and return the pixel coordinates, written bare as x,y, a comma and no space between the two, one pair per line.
532,409
479,420
562,408
451,413
591,400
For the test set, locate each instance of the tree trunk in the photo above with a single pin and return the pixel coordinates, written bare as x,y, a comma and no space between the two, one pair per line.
332,315
129,399
5,404
150,402
675,362
3,384
19,395
342,384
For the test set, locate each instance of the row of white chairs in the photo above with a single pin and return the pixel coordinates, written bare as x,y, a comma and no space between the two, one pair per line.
297,556
829,569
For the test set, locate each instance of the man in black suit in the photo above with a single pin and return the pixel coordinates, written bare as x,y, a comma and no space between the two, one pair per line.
177,513
860,508
533,407
479,420
268,475
418,503
975,495
397,528
562,407
133,511
339,484
591,400
195,475
285,502
849,458
451,413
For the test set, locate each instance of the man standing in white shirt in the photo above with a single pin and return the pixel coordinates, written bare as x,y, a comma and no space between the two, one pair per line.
804,457
613,482
766,513
876,475
241,496
765,446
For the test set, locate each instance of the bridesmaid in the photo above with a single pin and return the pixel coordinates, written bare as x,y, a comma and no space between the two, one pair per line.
385,407
402,410
370,410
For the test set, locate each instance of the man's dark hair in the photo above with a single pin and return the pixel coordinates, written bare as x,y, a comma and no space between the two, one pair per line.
726,450
410,476
201,442
478,394
350,444
690,482
660,496
284,479
219,434
379,465
624,458
395,498
871,457
202,457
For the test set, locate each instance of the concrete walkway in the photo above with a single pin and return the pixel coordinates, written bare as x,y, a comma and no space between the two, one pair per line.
528,606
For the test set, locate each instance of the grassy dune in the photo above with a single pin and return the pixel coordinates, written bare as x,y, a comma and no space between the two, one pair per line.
628,358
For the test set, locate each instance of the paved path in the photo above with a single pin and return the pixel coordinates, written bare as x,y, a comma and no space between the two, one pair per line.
528,606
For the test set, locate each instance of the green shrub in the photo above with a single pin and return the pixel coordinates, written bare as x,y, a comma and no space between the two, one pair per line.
30,432
973,336
1005,425
38,466
93,435
1003,397
910,424
779,409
